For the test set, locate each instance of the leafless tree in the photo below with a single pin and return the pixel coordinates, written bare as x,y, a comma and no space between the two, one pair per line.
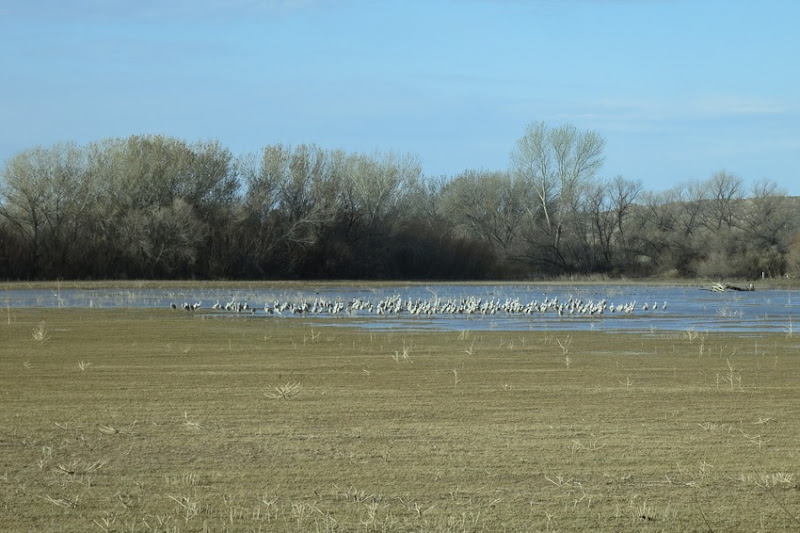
46,196
557,164
720,197
487,205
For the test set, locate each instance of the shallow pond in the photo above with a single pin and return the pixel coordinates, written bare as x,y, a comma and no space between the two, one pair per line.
686,307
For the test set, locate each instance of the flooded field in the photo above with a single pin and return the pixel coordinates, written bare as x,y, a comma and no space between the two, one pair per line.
119,412
450,307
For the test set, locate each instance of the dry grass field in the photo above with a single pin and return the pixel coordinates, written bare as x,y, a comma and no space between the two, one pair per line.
166,421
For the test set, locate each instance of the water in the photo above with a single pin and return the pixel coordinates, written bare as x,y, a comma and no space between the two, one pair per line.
687,307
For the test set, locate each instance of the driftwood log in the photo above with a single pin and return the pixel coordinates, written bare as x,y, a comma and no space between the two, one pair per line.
719,287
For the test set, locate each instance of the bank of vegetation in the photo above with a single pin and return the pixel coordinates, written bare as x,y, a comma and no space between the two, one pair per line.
155,207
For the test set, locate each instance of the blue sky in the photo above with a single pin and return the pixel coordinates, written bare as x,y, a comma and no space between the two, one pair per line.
679,89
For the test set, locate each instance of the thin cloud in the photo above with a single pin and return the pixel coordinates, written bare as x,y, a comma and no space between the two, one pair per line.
637,114
728,105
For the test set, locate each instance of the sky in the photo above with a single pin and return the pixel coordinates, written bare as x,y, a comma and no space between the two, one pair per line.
680,90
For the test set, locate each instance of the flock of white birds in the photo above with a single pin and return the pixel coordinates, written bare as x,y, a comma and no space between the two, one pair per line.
395,305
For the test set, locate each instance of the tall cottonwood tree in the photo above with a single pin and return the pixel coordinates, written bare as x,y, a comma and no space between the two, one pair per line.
556,164
623,196
769,216
609,204
488,205
721,196
46,197
374,195
324,212
284,211
769,222
166,204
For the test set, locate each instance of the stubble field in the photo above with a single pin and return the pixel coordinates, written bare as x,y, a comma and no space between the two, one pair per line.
165,421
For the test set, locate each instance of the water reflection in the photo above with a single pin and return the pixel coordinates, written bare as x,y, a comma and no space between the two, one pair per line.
687,307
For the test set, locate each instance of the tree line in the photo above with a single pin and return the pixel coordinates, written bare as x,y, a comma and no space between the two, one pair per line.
156,207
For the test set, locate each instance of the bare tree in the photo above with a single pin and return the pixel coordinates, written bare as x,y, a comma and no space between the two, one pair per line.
623,194
654,226
721,196
164,241
609,204
488,205
378,185
711,240
769,222
557,164
770,217
426,200
46,196
281,209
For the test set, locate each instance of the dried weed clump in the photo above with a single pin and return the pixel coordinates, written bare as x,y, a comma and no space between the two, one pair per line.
40,332
289,391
